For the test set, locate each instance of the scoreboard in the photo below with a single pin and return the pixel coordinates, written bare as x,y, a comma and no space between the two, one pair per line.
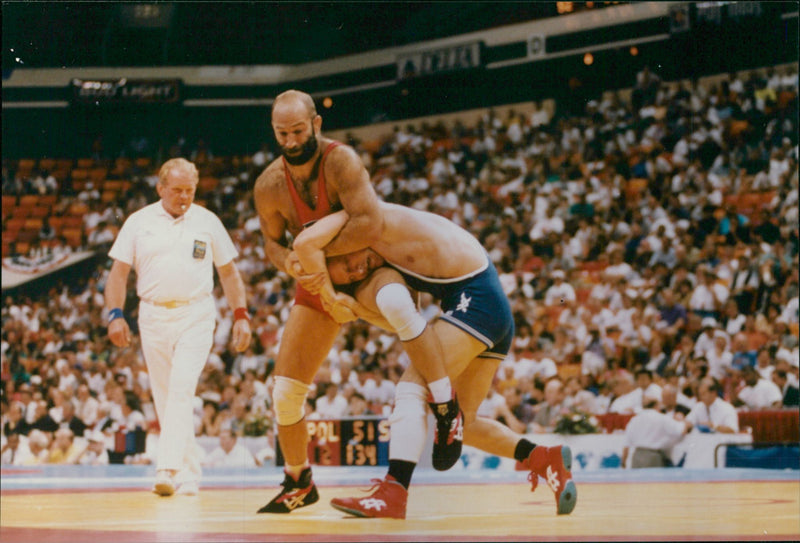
362,441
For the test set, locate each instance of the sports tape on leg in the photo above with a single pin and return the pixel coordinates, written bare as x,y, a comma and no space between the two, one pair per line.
289,399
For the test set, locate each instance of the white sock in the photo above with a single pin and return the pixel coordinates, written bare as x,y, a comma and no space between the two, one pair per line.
295,471
441,390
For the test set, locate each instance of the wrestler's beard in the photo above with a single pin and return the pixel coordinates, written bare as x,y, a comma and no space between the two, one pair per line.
308,150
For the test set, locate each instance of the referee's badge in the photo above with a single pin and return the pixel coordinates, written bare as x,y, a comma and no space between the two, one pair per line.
199,251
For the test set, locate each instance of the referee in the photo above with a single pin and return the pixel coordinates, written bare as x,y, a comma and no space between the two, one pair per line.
173,245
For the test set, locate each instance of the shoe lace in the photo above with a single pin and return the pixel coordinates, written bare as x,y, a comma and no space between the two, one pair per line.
376,484
533,478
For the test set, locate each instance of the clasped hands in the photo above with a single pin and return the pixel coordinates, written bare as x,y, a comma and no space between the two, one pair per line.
340,306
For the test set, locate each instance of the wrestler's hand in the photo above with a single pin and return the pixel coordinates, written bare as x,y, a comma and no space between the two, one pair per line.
312,282
292,265
338,307
119,332
242,334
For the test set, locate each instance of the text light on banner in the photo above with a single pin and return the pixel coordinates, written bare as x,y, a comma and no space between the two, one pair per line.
446,59
125,91
536,46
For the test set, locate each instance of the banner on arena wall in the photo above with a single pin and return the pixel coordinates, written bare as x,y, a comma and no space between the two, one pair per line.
20,269
125,91
445,59
720,13
146,15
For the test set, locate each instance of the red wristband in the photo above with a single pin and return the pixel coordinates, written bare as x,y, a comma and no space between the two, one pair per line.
241,313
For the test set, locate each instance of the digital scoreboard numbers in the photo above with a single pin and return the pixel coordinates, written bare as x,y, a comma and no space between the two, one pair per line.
346,442
365,442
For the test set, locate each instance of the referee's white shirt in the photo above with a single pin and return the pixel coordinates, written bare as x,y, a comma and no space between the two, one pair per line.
653,430
173,258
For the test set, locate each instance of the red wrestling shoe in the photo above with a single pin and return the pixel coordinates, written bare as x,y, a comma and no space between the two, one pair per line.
387,501
449,435
554,465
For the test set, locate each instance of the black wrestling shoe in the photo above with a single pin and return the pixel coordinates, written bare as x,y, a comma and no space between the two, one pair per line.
295,494
449,435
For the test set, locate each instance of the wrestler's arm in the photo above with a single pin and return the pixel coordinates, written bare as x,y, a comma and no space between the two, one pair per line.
357,196
273,224
310,243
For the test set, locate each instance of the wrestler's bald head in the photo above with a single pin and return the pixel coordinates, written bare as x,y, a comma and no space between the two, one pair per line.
292,101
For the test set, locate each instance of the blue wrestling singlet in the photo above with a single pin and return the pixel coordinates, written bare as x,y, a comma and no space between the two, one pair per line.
475,303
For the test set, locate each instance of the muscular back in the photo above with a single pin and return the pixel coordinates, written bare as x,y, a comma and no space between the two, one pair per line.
427,244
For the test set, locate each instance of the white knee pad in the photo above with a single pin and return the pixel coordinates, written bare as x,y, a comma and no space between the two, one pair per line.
409,420
289,399
396,305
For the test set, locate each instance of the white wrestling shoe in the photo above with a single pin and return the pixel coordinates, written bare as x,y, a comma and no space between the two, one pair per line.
165,484
189,488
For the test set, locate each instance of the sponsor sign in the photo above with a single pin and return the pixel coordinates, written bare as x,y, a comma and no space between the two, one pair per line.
434,61
125,91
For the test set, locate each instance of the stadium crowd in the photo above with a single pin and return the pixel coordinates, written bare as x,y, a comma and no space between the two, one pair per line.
646,245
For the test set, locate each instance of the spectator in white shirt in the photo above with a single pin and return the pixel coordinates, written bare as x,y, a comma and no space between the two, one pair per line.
712,413
627,396
86,406
707,297
382,390
758,393
719,357
560,292
331,405
15,452
95,453
230,453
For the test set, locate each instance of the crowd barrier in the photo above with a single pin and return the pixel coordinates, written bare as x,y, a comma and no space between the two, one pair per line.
364,442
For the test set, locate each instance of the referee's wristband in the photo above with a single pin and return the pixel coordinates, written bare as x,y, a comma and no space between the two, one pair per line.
240,313
115,314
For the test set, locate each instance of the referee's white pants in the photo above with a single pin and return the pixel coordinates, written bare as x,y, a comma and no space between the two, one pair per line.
176,344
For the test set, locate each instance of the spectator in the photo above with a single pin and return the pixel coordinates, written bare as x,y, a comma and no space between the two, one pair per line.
712,413
673,402
15,422
95,453
64,450
331,404
39,446
791,393
101,237
230,453
560,292
42,419
757,392
627,396
70,420
550,411
357,406
15,452
87,405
